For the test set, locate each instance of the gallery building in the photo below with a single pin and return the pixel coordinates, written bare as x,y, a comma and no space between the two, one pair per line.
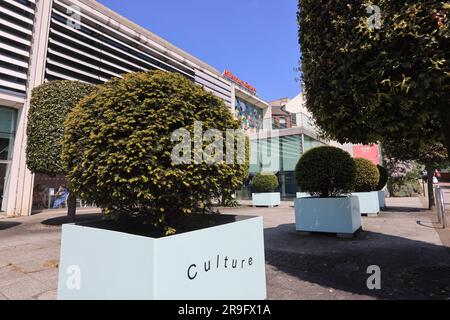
45,40
293,133
277,150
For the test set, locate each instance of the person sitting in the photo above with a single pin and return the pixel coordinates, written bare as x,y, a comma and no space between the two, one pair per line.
61,197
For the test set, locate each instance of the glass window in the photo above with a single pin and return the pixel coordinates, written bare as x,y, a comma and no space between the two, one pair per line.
8,118
291,151
7,132
311,143
294,120
283,123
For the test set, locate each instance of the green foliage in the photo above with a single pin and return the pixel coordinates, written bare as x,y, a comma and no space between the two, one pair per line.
430,153
50,105
365,85
384,177
118,148
265,182
406,185
326,171
367,175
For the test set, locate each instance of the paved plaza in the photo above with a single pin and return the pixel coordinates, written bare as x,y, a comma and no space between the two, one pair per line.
404,241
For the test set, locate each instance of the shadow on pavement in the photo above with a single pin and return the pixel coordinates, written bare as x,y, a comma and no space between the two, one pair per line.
410,269
8,225
404,209
58,221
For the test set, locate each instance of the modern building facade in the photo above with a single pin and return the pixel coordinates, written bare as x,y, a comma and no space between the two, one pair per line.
289,134
45,40
292,133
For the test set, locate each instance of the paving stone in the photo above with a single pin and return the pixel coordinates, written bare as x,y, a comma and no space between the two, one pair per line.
10,275
48,277
24,289
49,295
413,257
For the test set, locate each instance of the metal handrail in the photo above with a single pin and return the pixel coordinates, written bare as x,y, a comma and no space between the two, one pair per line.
440,206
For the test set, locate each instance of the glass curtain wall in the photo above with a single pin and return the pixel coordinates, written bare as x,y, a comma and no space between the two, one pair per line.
280,156
8,120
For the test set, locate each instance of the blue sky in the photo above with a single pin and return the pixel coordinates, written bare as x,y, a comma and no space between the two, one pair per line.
255,39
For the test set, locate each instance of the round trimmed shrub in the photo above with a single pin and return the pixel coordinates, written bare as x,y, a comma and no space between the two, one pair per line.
367,176
384,177
326,172
264,182
50,104
119,143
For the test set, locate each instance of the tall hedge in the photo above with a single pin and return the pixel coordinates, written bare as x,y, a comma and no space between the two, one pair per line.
367,176
50,105
326,172
117,148
365,85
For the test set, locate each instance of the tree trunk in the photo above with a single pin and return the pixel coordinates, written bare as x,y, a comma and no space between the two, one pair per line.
71,207
445,115
431,200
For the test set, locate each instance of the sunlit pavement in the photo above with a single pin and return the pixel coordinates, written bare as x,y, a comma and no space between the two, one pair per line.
405,242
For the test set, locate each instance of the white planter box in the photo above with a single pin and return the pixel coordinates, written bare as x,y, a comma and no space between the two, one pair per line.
382,199
303,195
266,199
338,215
98,264
369,203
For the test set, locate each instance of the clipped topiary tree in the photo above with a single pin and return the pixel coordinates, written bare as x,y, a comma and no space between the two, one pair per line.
367,175
50,105
265,182
384,177
326,172
119,148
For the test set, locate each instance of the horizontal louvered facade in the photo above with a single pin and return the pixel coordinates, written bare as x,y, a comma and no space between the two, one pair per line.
86,45
16,31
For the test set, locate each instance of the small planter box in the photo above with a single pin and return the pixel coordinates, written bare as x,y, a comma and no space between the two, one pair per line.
266,199
225,262
369,203
338,215
303,195
382,199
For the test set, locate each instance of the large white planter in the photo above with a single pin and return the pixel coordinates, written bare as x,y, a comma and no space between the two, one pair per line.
369,203
219,263
382,199
266,199
303,195
338,215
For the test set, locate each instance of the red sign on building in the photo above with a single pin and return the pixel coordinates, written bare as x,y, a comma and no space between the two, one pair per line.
371,153
240,82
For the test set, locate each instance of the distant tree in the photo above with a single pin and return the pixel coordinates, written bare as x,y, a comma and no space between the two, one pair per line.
433,156
365,85
50,105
